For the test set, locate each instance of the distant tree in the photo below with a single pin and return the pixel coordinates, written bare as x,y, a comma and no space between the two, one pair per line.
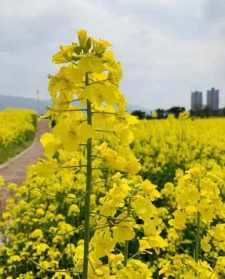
176,111
161,113
222,111
206,111
139,113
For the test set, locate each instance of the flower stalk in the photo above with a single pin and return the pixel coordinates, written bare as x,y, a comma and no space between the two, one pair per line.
88,192
198,232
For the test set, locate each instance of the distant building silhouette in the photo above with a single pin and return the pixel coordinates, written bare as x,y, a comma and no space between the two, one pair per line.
213,99
196,100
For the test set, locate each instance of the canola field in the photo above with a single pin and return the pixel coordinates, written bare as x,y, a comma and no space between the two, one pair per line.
115,197
17,129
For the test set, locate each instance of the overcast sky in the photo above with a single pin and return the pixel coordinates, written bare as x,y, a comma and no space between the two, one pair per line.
168,48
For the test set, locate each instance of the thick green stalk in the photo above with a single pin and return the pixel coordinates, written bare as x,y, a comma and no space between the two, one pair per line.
87,193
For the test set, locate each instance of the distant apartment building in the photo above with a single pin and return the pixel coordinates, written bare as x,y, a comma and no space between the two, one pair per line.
196,100
213,99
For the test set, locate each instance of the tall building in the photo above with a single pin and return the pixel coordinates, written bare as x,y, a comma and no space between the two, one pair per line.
196,100
213,99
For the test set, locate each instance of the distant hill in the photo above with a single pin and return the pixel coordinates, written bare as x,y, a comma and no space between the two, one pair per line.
21,102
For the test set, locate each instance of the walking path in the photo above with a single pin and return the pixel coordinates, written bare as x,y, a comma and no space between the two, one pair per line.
15,169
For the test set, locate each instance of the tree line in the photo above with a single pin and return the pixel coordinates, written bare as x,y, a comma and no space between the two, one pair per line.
176,110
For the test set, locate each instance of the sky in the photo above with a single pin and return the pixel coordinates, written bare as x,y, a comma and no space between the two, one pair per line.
167,48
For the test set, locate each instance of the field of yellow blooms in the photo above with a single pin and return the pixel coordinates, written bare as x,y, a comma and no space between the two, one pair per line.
17,128
115,197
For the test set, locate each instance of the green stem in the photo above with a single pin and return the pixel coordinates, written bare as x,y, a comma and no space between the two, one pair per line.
106,179
197,238
198,232
87,194
126,252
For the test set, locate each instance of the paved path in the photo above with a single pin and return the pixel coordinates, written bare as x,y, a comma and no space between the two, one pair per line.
15,169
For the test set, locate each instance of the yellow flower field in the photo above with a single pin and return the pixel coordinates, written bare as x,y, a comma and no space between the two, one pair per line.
115,197
17,127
